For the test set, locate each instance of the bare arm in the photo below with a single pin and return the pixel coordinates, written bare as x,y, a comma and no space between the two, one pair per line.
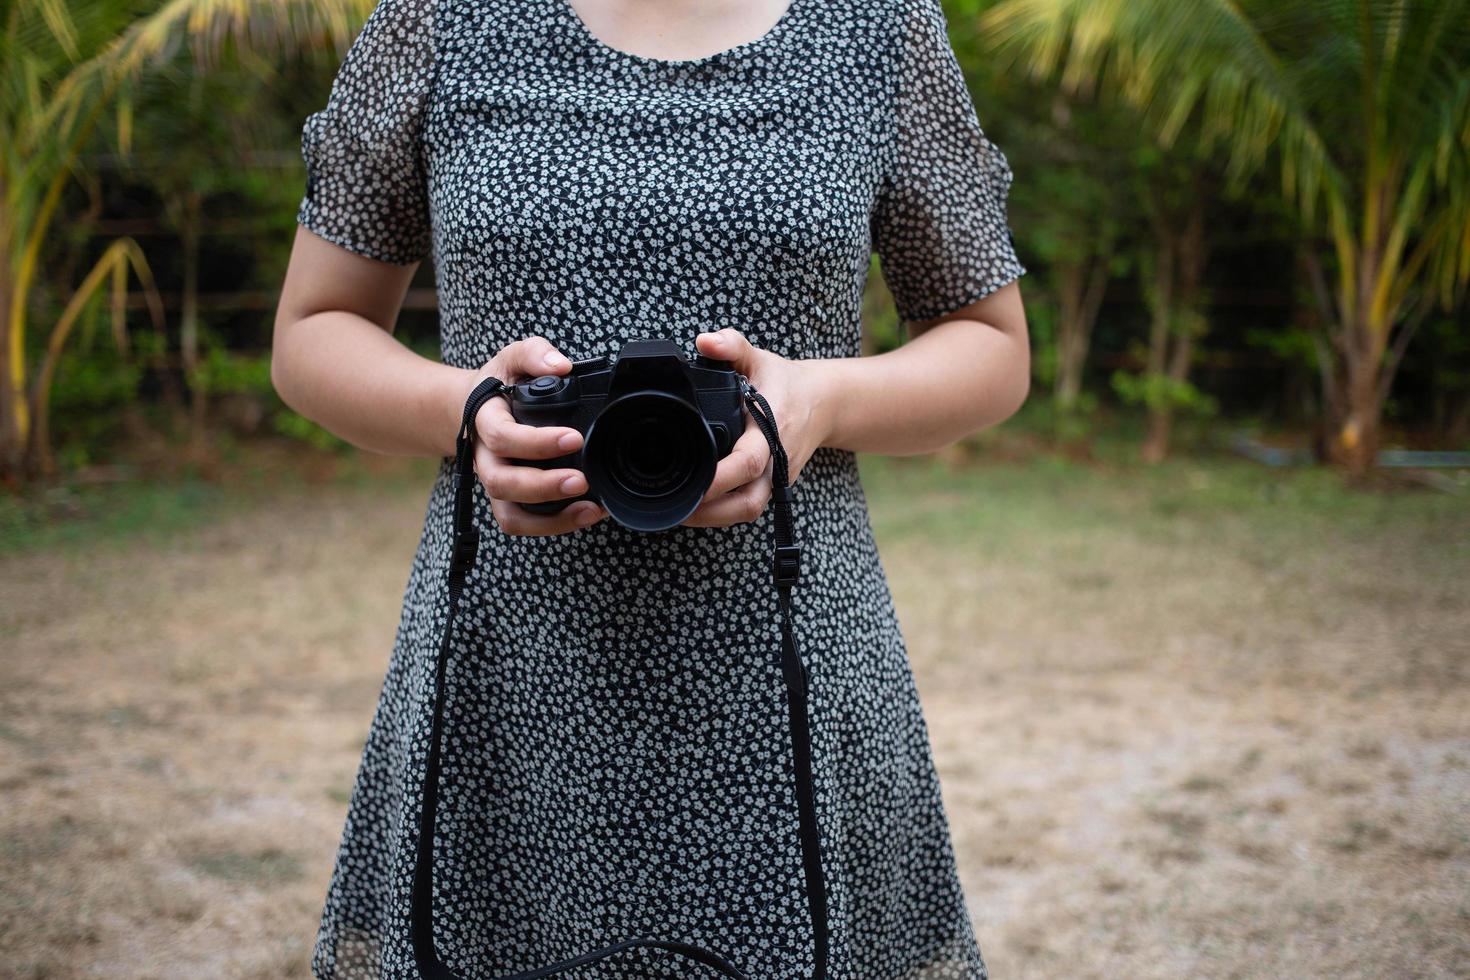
966,371
958,373
334,358
335,361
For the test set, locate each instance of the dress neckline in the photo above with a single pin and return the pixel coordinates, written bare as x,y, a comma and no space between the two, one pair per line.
745,49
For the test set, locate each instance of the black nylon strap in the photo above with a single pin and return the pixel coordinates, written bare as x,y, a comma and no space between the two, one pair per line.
785,572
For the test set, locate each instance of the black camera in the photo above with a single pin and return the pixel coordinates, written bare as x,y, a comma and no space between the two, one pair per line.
653,427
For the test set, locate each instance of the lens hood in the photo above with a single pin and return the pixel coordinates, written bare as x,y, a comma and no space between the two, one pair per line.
649,457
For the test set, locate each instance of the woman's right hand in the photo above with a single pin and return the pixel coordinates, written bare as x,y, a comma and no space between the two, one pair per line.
502,438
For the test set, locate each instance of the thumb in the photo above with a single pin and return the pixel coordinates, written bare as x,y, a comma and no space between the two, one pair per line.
728,344
535,355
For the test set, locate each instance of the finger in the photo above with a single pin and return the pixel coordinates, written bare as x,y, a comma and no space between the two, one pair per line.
727,344
515,519
746,461
533,356
738,507
504,480
504,436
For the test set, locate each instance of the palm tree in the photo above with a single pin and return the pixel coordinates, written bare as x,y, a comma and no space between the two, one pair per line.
1361,106
64,69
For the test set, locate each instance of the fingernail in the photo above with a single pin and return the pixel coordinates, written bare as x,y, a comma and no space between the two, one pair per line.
568,441
571,484
587,516
556,360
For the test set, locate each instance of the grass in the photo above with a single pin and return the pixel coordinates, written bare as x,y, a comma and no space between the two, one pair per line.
1203,720
82,515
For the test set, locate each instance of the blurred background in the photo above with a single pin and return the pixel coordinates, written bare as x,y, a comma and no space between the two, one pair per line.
1191,631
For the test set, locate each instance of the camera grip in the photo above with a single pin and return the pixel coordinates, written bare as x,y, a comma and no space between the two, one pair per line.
549,400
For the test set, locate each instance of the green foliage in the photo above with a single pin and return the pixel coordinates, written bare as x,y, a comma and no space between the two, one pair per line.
64,69
95,381
1071,152
91,389
224,372
303,429
1041,324
880,318
1049,421
1362,110
1288,344
1135,92
1155,391
1077,422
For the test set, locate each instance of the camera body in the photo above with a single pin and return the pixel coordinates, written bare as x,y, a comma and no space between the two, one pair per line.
654,425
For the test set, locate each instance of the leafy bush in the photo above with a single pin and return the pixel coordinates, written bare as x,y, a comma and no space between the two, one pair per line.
224,372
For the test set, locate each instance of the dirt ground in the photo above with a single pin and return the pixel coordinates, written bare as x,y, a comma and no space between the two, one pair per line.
1189,726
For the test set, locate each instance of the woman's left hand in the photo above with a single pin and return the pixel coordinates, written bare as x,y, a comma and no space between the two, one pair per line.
741,488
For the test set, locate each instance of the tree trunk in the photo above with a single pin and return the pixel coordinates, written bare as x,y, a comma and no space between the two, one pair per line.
1179,278
1356,436
1365,369
12,443
1161,419
189,328
1156,442
12,439
1363,381
1082,286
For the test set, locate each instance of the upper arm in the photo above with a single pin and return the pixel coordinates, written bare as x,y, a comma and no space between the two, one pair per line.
939,222
364,224
1001,309
322,276
366,168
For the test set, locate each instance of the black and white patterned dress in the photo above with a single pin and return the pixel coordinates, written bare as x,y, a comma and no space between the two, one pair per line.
617,759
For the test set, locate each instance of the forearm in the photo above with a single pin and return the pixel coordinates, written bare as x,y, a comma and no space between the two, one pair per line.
357,381
955,378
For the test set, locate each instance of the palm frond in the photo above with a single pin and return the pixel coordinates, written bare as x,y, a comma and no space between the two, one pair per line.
1204,64
209,29
112,267
1363,105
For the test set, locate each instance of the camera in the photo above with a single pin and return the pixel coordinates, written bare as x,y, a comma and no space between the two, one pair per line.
654,424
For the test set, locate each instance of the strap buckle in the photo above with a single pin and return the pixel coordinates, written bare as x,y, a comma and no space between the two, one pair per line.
786,566
465,550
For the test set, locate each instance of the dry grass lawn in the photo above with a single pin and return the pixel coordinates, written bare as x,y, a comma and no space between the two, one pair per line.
1205,721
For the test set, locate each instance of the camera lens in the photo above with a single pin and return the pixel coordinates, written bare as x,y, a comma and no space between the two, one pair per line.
650,458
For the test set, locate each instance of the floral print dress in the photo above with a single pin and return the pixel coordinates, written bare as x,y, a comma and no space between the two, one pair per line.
616,759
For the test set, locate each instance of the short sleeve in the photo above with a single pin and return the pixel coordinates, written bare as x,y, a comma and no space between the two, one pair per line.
939,216
366,181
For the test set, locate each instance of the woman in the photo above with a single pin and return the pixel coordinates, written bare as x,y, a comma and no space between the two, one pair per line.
616,759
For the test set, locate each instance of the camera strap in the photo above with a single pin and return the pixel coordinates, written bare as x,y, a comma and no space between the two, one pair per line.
785,569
